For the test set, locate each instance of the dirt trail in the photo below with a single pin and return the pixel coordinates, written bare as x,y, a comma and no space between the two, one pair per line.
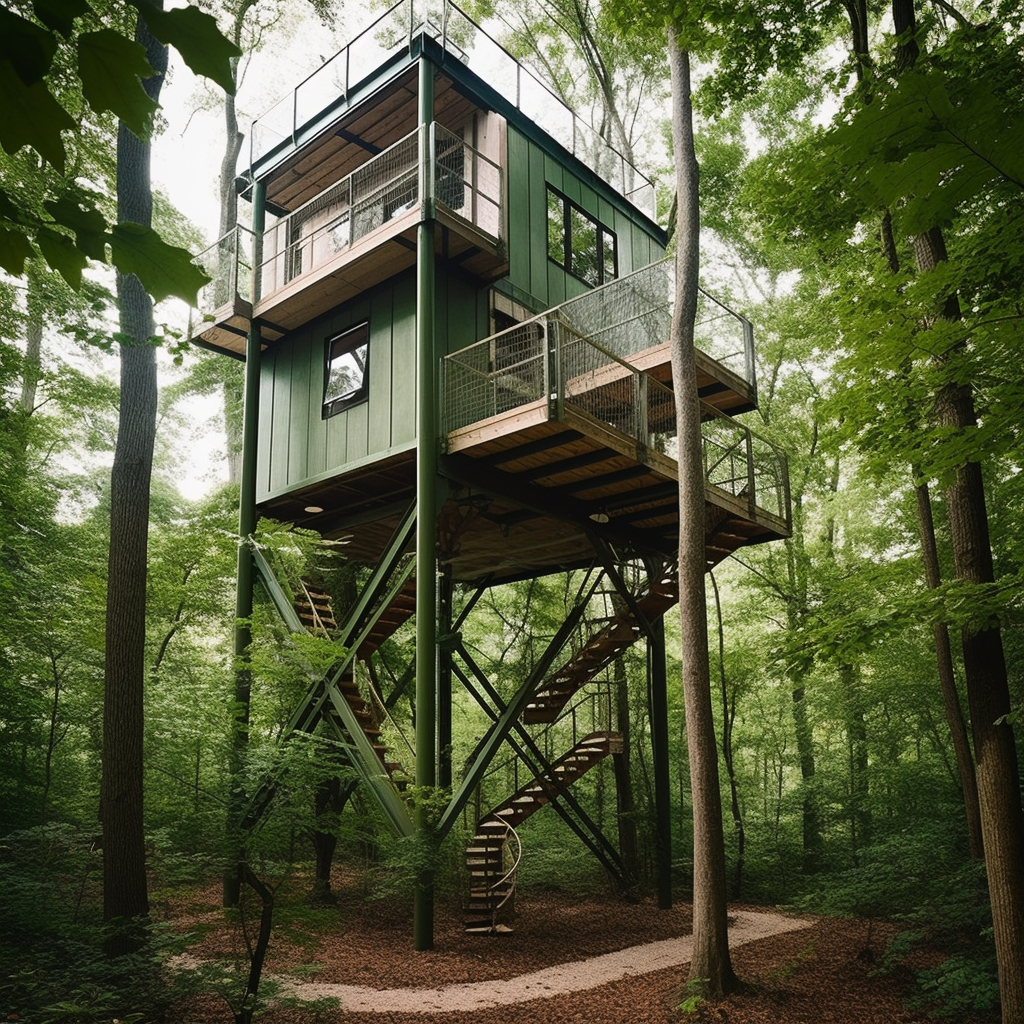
745,926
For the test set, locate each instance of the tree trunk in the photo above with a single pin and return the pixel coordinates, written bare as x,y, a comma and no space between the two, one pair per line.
125,899
32,366
728,718
947,678
988,693
859,808
711,966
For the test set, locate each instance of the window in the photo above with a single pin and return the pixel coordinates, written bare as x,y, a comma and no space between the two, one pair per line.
346,374
578,243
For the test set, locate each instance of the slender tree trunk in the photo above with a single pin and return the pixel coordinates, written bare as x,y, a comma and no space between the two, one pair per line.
711,966
32,365
859,812
947,678
988,694
125,899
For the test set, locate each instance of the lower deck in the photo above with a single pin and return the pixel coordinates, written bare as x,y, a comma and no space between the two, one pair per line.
524,494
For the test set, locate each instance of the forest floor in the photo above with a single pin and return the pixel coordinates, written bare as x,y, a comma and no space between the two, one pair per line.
354,963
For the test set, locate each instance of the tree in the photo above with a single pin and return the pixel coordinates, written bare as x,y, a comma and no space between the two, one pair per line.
52,69
931,138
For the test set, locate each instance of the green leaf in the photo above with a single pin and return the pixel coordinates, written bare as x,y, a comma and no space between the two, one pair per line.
31,117
60,14
163,269
111,68
63,255
14,251
88,224
194,34
27,46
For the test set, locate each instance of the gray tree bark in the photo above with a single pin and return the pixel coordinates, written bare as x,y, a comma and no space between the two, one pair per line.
125,898
711,967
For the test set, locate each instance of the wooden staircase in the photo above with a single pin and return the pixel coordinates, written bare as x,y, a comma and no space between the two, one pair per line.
601,649
317,614
491,876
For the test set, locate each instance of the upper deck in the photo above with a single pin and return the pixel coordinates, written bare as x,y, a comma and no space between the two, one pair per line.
346,172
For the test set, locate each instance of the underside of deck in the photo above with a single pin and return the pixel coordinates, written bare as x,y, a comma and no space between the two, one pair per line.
525,496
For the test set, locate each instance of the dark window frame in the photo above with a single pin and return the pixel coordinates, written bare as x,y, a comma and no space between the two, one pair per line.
336,347
602,233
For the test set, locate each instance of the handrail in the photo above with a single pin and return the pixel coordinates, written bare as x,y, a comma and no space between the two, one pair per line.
594,692
382,189
295,117
510,876
553,357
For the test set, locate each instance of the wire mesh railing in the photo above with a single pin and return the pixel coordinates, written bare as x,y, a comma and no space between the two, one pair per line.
329,224
303,111
386,187
549,360
633,314
465,182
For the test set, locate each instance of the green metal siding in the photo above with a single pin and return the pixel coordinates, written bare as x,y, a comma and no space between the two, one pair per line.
530,171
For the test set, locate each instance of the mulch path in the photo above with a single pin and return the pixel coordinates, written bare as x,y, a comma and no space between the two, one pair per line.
818,975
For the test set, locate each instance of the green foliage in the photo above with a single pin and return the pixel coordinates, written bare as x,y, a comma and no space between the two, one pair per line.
696,999
55,971
52,69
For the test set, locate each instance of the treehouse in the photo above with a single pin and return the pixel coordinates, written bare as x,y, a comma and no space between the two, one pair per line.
454,307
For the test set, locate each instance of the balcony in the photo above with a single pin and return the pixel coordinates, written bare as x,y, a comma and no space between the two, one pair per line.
566,411
342,81
224,309
359,230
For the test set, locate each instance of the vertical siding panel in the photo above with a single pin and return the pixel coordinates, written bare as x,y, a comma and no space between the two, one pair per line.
537,229
316,457
281,406
381,372
403,363
298,419
265,429
518,209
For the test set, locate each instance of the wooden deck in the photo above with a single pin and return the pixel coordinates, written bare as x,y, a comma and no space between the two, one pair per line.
525,495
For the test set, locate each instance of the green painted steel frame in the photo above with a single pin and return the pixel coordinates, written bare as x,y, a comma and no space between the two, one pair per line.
488,746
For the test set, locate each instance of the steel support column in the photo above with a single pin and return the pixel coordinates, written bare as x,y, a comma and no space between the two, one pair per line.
426,511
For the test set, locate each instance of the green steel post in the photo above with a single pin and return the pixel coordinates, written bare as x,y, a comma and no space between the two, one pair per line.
244,571
426,516
658,683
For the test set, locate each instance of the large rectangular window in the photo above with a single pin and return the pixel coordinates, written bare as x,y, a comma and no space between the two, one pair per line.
578,243
346,377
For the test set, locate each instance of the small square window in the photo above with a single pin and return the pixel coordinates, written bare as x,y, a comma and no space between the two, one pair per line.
346,377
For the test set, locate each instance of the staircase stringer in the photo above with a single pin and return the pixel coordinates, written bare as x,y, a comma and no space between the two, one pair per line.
368,764
324,689
496,735
602,647
567,805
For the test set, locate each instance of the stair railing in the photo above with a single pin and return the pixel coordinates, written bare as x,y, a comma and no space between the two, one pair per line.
386,716
318,623
597,699
511,851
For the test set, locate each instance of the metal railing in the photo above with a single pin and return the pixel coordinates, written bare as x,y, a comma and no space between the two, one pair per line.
548,358
459,178
296,117
228,262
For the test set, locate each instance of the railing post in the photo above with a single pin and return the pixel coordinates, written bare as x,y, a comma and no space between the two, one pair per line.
751,495
643,424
